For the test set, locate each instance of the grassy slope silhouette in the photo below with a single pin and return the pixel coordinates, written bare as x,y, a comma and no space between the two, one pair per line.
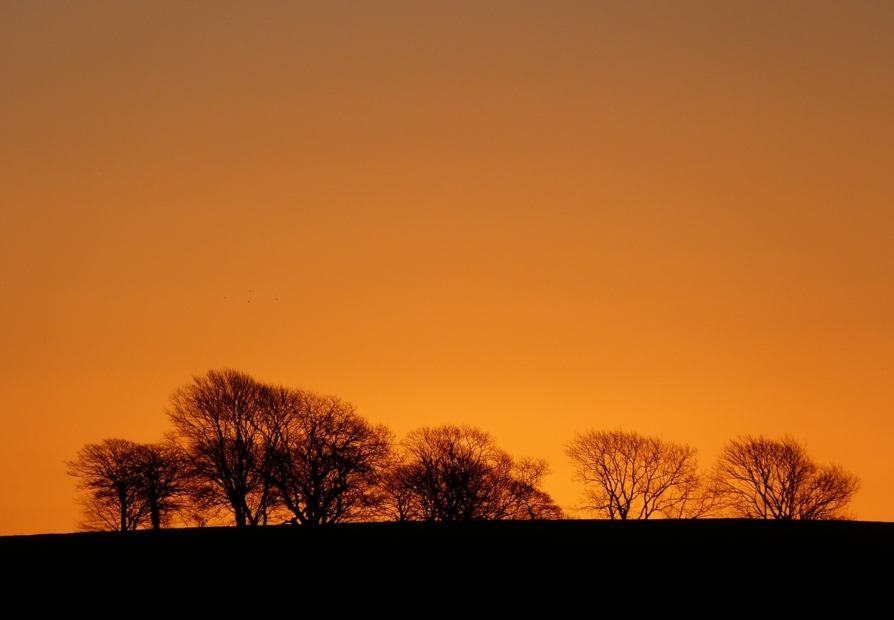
596,565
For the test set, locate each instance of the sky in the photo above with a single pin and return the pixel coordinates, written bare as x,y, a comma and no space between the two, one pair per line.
537,218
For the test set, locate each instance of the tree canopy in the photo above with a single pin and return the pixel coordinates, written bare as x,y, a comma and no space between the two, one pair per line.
629,476
249,453
457,473
775,479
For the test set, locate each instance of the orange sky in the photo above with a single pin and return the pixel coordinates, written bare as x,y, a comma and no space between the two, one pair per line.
534,217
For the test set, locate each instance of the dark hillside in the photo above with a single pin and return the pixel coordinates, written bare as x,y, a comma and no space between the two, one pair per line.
460,566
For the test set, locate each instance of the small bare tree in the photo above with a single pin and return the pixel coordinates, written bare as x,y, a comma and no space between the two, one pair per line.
629,476
525,499
109,472
455,473
397,499
127,484
164,481
761,478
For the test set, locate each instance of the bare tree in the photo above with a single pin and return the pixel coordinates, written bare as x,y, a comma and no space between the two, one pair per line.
397,499
761,478
217,420
524,497
163,480
629,476
110,473
455,473
128,484
324,460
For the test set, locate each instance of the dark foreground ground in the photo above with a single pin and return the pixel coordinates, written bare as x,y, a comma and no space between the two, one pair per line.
653,568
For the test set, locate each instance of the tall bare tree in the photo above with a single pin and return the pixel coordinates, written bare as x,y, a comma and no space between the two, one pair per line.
767,479
217,419
629,476
452,473
324,460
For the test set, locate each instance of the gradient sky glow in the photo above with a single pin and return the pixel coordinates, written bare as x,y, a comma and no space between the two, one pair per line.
534,217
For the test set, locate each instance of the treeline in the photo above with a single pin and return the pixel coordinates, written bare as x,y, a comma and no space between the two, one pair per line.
245,453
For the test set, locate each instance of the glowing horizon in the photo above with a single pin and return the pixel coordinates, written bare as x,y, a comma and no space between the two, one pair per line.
534,219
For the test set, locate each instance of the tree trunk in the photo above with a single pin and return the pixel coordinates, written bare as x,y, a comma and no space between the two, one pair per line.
155,515
123,504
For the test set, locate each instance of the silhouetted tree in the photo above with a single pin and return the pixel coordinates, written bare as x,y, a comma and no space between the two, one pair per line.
128,483
324,460
110,473
163,480
765,479
397,498
629,476
455,473
217,419
525,498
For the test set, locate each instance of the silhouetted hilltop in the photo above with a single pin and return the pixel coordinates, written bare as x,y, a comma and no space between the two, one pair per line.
493,565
